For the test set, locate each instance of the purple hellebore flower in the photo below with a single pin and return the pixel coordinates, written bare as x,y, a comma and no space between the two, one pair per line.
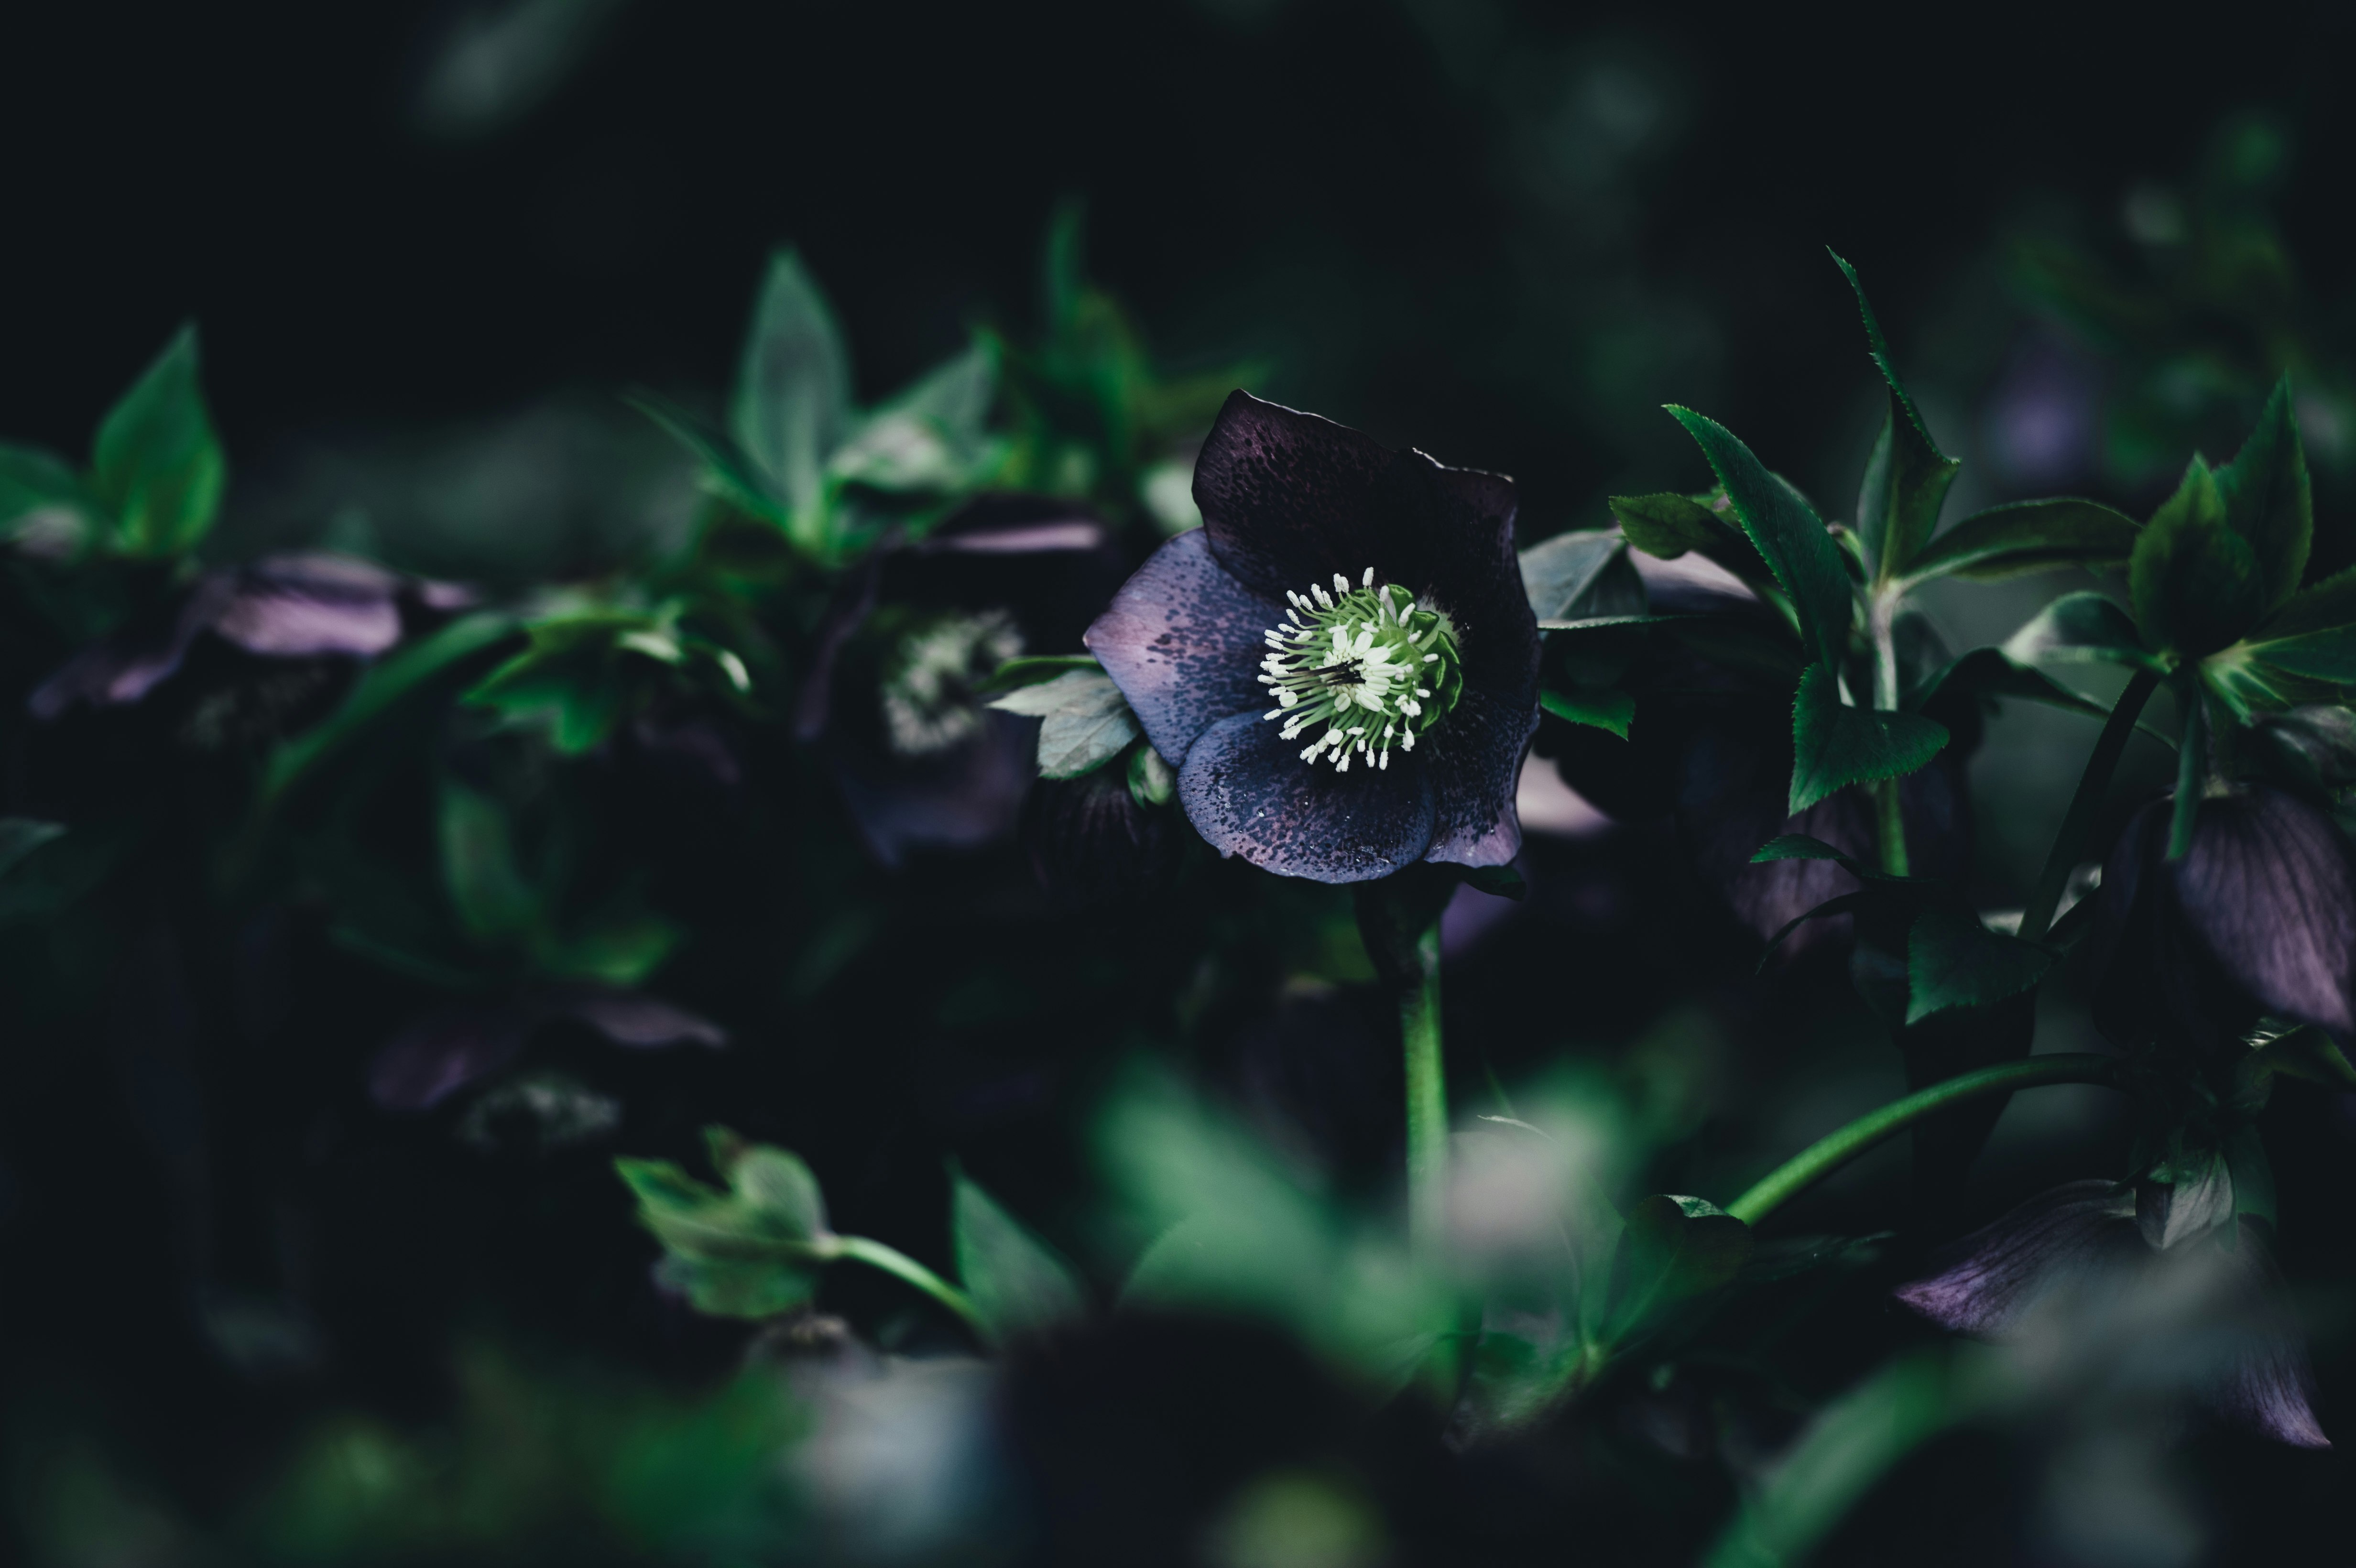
1366,601
301,605
1992,1282
2259,916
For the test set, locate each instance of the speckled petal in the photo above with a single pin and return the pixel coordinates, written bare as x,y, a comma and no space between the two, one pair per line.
1248,793
1475,761
1288,498
1448,534
1181,640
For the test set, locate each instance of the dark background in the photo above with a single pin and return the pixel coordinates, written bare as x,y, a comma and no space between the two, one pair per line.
1500,232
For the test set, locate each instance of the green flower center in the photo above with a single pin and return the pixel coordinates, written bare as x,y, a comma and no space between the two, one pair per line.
1372,664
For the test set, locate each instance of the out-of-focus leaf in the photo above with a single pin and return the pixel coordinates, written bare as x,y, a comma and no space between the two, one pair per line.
2027,536
2267,499
1672,1249
2250,1173
45,869
934,436
1896,523
618,948
44,510
20,835
1954,961
2196,582
1850,1444
1603,708
2309,1055
753,1251
1018,1284
1992,672
1085,722
1035,669
2315,743
1787,533
1834,744
158,465
493,901
727,471
379,687
2079,628
792,402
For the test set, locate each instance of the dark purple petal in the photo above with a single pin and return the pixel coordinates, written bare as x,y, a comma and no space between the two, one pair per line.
1988,1281
631,1018
1449,536
296,605
1474,759
125,668
1181,640
957,799
443,1052
1248,792
2268,1384
2268,888
1288,498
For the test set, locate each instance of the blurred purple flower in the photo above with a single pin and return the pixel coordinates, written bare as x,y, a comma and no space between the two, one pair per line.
2068,1245
304,605
2043,416
2259,916
1425,604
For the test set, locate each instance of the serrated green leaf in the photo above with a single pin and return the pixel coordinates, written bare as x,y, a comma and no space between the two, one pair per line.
1666,526
2325,606
158,465
2195,582
2267,499
1834,744
1954,961
2027,536
1672,1250
1899,521
1786,532
1018,1284
1085,722
1602,709
791,407
2079,628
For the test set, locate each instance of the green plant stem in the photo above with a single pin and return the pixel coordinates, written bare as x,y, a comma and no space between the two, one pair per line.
903,1267
1890,810
1427,1098
1829,1153
2078,822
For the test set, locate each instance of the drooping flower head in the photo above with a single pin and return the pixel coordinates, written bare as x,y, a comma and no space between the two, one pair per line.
1340,664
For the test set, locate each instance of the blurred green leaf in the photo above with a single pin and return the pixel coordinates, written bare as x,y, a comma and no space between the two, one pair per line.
1672,1250
383,685
727,472
618,947
1991,672
1085,722
1954,961
792,406
1834,744
45,869
1898,521
495,901
2269,500
753,1251
1787,533
934,435
2195,582
2079,628
44,508
1017,1283
2027,536
158,464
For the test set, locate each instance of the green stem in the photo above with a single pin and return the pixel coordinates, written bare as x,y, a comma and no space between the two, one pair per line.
1889,827
1829,1153
903,1267
1427,1098
2078,823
